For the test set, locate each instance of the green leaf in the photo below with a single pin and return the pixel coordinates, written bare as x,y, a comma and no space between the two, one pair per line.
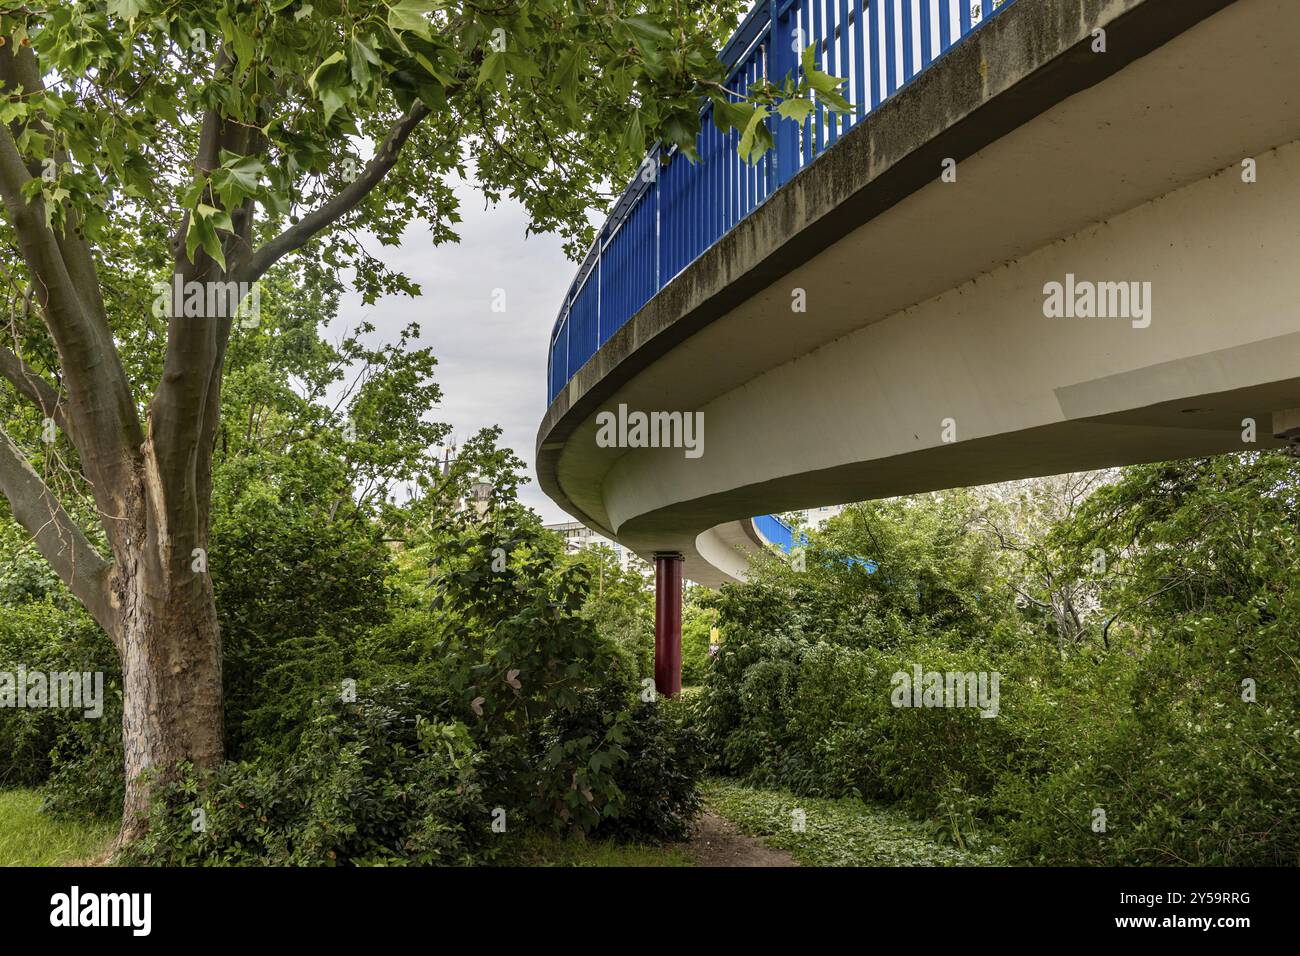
245,47
634,135
214,217
796,109
11,110
494,69
127,9
823,82
333,58
752,140
808,60
566,81
241,174
201,233
443,79
335,98
834,100
681,130
522,65
362,59
409,16
728,116
646,29
192,193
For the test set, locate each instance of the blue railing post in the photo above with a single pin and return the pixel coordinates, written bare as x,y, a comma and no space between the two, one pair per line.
891,48
907,32
927,47
846,11
784,46
659,168
600,293
831,64
874,49
861,93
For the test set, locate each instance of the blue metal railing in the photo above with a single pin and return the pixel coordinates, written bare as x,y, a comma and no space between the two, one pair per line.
674,210
776,532
780,535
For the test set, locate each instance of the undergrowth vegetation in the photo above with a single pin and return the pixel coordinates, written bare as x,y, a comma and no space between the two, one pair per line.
478,695
845,831
1146,635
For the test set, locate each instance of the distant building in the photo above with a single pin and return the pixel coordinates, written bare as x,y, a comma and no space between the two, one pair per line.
578,536
816,517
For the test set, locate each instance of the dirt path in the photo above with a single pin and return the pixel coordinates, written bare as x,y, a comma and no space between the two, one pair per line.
717,842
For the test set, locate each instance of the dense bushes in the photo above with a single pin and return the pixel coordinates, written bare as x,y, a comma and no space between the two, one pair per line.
499,680
817,718
658,783
1143,720
392,671
1187,772
490,697
382,711
697,627
37,742
295,592
374,782
371,783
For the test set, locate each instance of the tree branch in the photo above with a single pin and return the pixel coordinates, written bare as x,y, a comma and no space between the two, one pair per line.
298,235
20,69
33,387
100,407
60,541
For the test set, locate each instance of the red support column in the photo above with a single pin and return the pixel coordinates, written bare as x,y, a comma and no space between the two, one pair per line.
668,624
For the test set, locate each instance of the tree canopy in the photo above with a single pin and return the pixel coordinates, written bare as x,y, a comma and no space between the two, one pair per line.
161,159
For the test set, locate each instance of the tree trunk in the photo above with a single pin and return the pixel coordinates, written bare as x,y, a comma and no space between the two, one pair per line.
170,646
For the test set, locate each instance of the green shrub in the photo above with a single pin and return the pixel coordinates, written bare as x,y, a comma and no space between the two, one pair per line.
35,742
1140,715
632,773
660,779
744,714
697,625
511,698
1188,771
372,783
818,718
295,591
575,755
87,778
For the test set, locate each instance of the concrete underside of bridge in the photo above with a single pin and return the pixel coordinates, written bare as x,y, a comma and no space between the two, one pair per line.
924,359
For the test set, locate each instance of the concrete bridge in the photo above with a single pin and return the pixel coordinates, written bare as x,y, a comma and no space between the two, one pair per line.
1063,235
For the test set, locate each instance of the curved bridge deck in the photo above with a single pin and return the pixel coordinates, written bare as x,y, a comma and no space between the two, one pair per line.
1105,276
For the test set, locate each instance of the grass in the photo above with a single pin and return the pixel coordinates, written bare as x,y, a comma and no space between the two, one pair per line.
31,838
541,849
843,832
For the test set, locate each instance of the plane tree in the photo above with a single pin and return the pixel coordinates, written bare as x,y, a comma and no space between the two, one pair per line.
161,156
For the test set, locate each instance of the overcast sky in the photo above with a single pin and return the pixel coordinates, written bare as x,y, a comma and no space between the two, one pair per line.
491,365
